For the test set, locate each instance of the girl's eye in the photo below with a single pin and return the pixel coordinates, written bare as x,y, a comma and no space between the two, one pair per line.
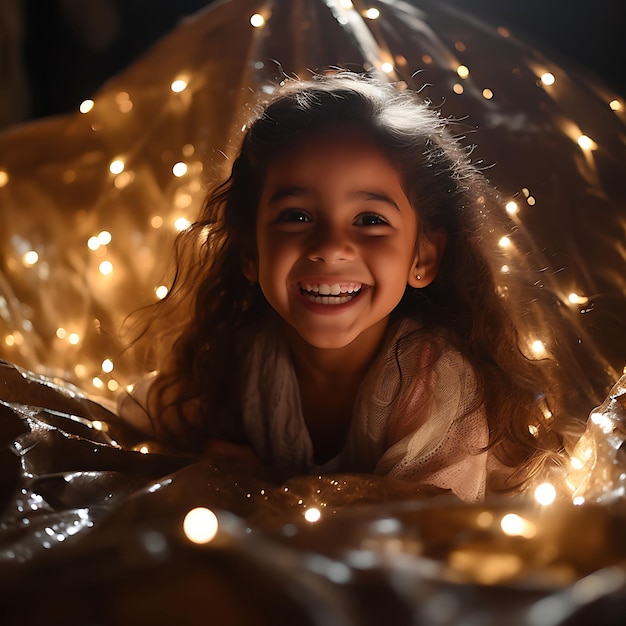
371,219
293,216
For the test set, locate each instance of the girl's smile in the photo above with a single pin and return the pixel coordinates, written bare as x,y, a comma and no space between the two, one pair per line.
336,238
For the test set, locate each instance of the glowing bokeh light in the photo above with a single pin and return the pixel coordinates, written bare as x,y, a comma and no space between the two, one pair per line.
586,143
548,79
107,366
487,94
312,515
387,68
516,526
504,242
161,291
182,223
105,237
4,178
545,494
511,207
116,166
372,14
179,85
179,169
30,258
86,106
462,71
105,268
257,20
200,525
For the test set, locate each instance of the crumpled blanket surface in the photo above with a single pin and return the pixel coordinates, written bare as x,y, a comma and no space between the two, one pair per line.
93,531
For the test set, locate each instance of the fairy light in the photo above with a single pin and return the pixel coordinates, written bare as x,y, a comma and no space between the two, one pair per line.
586,143
4,178
86,106
97,383
182,223
116,166
505,269
511,208
10,340
93,243
312,515
156,222
504,242
516,526
547,78
487,94
105,268
73,339
107,366
578,501
61,333
538,347
574,298
30,258
372,14
346,4
458,88
179,169
545,494
257,20
531,201
113,385
105,237
462,71
576,463
200,525
533,430
387,68
161,291
615,105
179,85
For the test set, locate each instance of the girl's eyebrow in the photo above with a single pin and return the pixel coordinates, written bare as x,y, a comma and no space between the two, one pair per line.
286,192
378,197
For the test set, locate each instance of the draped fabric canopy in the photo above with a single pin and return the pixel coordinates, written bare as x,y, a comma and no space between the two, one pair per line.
90,202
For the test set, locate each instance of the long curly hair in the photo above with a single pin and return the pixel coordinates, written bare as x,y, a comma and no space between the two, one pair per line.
211,307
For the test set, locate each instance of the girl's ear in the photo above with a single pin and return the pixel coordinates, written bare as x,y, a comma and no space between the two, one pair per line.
250,268
427,259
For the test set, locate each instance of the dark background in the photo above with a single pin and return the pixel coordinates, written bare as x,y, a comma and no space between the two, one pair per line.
71,47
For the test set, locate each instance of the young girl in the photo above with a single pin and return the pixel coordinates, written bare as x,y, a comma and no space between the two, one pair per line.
334,308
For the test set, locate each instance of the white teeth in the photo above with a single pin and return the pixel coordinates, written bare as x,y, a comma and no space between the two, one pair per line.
336,289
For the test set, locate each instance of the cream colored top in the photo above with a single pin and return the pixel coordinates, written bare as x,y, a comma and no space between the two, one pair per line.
417,416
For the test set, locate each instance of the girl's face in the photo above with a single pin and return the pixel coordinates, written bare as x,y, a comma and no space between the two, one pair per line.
336,239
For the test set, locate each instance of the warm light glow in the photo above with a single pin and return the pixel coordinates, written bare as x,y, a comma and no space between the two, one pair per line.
97,383
530,200
61,333
4,178
533,430
387,68
180,84
107,365
116,166
505,269
9,340
104,237
86,106
113,385
372,14
615,105
144,449
548,78
30,258
161,291
182,223
257,20
458,88
462,71
106,267
545,494
312,515
74,339
93,243
576,463
574,298
97,424
200,525
586,143
516,526
504,242
511,207
578,501
179,169
346,4
156,221
487,94
537,347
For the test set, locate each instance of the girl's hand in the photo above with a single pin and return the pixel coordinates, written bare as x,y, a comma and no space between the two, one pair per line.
232,455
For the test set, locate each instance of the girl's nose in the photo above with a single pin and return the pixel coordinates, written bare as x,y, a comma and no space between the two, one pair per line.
331,245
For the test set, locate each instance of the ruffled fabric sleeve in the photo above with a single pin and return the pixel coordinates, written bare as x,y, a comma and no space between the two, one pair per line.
425,421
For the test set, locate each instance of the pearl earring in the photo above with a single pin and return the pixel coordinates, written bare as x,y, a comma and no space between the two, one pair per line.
418,277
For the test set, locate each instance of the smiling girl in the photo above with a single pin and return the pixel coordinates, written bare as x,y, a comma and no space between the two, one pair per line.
334,307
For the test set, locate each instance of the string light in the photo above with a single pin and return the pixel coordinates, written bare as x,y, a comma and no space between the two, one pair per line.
179,85
116,166
462,71
312,515
372,14
200,525
105,268
257,20
387,68
86,106
179,169
545,494
548,79
615,105
586,143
